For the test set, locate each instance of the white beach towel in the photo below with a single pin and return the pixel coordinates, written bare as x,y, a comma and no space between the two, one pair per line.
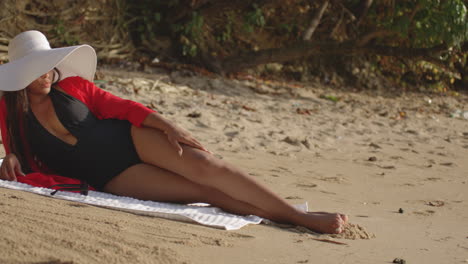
205,215
198,213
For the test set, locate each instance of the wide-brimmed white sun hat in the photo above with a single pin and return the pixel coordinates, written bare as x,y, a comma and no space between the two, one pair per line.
30,56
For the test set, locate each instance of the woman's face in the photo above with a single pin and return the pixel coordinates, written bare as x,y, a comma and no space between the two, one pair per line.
41,85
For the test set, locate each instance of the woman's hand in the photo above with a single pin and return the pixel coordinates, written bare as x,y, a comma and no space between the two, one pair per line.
11,168
177,135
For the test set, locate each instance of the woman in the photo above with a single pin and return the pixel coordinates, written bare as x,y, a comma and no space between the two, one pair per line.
55,122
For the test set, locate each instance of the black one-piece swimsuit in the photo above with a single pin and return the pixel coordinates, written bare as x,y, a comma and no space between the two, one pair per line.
104,148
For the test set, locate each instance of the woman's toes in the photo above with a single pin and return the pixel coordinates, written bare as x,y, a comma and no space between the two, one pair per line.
338,230
330,222
344,218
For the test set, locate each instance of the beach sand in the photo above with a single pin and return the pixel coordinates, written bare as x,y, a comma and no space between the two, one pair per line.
365,154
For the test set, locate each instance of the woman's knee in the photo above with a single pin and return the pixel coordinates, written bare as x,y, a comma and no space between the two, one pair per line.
206,165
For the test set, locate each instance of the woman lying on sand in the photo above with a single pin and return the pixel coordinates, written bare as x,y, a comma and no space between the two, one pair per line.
54,120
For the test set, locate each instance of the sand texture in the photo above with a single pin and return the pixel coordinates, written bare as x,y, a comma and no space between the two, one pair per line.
367,155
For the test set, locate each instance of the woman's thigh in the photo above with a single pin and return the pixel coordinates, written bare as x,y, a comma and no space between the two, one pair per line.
154,148
147,182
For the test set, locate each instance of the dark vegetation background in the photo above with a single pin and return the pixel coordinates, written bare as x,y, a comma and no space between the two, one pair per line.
417,45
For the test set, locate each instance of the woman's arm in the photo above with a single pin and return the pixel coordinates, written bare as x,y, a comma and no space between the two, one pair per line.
175,134
155,120
103,104
106,105
3,125
10,168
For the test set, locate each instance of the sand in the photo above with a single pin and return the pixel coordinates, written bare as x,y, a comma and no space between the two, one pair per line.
367,155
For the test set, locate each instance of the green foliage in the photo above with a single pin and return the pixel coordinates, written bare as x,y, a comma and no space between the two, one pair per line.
410,24
147,19
226,34
64,36
173,3
144,18
421,24
194,28
286,28
190,34
441,22
254,18
425,23
330,98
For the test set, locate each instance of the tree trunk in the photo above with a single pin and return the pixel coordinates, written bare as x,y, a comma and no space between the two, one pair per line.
365,5
315,21
462,69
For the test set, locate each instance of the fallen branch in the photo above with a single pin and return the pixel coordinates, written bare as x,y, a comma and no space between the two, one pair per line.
376,34
305,49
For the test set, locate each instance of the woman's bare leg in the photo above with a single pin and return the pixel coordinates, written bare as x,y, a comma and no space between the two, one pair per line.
205,169
147,182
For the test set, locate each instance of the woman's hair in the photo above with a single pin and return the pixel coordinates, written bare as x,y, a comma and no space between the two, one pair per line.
17,107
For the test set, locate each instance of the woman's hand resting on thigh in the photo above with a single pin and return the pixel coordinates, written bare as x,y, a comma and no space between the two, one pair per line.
177,135
11,168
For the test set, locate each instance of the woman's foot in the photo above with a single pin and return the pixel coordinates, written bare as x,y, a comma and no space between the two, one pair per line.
343,216
328,223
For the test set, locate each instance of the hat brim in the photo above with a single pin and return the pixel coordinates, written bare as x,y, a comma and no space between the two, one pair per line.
71,61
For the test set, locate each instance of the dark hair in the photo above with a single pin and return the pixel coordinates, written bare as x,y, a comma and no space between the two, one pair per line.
17,108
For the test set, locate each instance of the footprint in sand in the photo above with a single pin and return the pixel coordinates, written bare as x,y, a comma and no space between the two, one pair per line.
409,150
333,179
77,205
425,212
293,198
433,179
242,236
447,164
15,197
306,185
284,169
387,167
54,262
436,203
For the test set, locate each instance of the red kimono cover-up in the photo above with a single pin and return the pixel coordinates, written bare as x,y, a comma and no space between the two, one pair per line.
102,104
